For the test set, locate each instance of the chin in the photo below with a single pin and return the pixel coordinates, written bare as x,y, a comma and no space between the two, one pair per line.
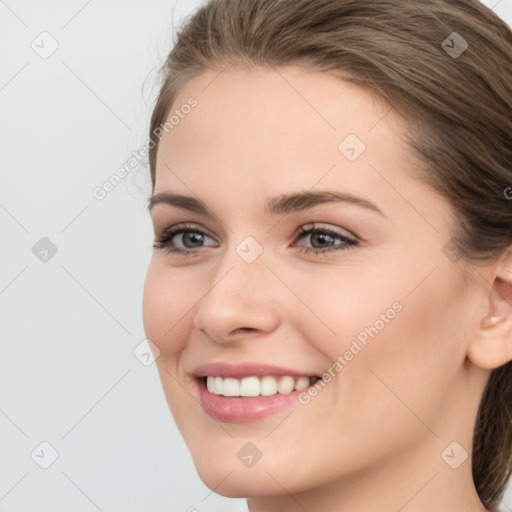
240,482
226,475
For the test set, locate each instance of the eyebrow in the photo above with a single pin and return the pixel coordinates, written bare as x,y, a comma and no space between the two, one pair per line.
284,204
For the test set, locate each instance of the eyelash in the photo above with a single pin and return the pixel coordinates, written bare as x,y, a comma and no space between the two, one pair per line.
164,241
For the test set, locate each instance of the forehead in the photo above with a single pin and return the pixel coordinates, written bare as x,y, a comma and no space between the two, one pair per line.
266,131
282,108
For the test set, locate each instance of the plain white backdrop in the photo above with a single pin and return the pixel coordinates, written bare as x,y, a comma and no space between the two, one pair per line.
77,83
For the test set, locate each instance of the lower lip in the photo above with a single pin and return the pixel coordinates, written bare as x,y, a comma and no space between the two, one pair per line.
244,409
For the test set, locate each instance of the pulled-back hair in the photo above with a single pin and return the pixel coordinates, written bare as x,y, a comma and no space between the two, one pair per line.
446,67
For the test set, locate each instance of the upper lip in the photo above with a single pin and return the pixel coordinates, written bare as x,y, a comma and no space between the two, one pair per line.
240,370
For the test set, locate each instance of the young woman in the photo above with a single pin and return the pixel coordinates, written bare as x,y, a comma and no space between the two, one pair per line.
331,286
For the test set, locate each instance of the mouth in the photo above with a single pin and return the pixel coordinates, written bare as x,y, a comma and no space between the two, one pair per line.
244,392
254,386
251,398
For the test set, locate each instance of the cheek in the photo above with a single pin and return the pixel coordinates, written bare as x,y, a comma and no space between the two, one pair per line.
407,335
166,302
366,305
344,305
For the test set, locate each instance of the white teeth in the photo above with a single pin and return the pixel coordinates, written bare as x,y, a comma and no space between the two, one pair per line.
249,386
302,383
231,387
268,386
254,386
286,384
217,386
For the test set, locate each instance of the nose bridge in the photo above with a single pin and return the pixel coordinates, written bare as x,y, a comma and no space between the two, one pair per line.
240,294
241,268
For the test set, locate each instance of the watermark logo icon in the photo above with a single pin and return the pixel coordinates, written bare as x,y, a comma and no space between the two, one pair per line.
351,147
451,251
454,455
44,250
45,45
146,352
454,45
249,455
44,455
249,249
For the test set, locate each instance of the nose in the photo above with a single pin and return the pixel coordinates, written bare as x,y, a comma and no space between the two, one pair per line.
242,300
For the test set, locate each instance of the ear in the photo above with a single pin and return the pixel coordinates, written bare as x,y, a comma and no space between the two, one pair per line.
492,345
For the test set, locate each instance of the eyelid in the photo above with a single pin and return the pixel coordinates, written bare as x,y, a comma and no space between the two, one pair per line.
347,242
320,226
163,239
192,226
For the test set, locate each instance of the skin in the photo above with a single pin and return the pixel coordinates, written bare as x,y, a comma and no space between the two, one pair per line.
375,434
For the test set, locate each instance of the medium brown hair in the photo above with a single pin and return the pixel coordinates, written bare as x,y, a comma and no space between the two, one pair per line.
458,106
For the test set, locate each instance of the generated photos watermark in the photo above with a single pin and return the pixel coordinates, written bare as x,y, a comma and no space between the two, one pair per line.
100,192
355,348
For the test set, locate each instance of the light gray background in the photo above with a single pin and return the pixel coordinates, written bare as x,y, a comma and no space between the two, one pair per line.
68,326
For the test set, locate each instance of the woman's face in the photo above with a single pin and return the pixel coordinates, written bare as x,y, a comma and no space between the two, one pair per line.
372,298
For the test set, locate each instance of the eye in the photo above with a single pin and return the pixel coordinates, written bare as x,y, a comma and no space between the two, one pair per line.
187,239
182,239
324,240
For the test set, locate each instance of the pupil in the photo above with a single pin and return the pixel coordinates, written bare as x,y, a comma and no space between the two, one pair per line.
194,238
321,237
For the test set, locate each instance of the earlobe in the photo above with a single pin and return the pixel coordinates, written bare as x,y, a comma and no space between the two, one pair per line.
492,345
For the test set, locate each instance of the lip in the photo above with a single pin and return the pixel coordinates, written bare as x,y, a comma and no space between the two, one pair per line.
244,409
241,370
